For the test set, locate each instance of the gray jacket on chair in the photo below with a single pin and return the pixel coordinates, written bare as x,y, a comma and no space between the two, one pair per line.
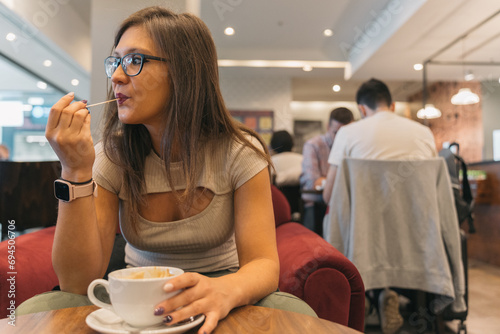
396,221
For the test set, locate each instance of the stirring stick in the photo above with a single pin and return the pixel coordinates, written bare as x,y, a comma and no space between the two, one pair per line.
96,104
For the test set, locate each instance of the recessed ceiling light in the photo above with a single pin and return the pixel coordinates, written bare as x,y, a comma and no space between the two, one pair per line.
328,32
307,68
75,82
11,37
37,112
47,63
41,85
36,101
336,88
229,31
418,67
469,76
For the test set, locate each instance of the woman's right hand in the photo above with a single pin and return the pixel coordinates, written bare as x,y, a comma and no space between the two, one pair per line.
68,132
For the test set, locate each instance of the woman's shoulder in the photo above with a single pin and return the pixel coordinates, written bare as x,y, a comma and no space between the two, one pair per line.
233,145
100,154
105,172
253,141
232,151
99,147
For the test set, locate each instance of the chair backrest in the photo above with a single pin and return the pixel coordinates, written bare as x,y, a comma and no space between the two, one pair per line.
316,272
282,213
26,193
294,196
396,221
461,188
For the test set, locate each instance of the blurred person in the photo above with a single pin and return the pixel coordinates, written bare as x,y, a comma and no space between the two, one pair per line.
4,152
315,168
380,135
287,164
287,170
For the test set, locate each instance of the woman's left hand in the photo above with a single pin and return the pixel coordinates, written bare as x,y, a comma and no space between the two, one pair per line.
201,295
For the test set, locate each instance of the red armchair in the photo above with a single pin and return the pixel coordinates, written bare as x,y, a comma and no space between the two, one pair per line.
311,269
32,272
316,272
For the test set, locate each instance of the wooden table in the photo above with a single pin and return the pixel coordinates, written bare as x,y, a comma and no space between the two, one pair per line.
246,319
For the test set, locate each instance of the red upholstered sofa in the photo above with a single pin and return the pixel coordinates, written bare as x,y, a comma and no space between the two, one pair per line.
310,268
316,272
32,271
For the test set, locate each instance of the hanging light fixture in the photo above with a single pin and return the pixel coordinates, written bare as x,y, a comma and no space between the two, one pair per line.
464,97
429,112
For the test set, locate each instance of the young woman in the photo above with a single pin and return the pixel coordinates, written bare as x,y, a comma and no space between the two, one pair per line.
188,186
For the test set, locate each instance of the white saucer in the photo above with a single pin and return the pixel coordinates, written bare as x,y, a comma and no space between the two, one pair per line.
107,322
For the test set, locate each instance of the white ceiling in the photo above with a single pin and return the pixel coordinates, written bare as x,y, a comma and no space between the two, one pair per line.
380,38
385,38
21,63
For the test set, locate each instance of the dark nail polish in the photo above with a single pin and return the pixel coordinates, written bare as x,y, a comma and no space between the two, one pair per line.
159,311
84,101
168,319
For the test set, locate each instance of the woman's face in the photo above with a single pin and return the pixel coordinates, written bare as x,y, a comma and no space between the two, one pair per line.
141,98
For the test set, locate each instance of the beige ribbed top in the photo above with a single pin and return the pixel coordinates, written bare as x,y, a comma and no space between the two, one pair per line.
204,242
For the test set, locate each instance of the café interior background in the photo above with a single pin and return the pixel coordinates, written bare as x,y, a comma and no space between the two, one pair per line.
303,49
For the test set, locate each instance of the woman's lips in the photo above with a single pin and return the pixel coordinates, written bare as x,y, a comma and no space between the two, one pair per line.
121,98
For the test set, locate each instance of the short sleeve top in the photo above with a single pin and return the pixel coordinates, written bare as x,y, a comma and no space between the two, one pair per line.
204,242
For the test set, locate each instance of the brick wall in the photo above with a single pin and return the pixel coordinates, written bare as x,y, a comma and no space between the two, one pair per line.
461,124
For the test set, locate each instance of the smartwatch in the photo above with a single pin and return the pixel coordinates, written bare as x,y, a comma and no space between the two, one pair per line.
68,191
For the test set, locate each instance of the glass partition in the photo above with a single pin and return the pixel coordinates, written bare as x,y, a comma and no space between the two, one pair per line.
34,73
25,102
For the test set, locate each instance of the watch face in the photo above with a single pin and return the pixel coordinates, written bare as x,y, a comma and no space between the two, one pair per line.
61,190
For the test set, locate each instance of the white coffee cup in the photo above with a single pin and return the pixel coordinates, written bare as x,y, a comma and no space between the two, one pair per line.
134,299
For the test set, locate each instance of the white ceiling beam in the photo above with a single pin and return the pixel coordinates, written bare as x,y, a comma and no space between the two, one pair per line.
377,31
31,47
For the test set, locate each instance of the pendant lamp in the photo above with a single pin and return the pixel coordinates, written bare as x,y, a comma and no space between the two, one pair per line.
464,97
429,112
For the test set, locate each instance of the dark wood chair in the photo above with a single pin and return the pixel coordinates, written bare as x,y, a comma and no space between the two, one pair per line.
27,194
294,196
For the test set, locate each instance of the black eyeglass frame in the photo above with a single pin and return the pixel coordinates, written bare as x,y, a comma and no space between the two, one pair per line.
120,61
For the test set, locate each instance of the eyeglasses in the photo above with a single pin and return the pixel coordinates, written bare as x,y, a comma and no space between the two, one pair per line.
131,63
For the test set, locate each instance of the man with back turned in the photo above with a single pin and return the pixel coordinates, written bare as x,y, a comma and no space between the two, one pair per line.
380,135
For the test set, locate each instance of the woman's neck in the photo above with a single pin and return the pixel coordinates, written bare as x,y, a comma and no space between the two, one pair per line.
156,140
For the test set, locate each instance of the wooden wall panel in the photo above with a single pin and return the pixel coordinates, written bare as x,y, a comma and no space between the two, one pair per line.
484,245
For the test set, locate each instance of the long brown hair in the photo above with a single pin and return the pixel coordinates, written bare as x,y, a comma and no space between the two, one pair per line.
195,115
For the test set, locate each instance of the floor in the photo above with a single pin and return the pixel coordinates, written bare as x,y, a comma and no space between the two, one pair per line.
484,304
484,300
